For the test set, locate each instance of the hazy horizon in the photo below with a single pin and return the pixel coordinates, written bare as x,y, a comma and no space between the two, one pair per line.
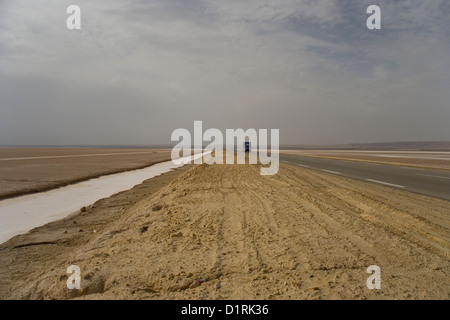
137,70
446,144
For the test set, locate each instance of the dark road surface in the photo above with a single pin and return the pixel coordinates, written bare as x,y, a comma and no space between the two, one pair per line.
435,183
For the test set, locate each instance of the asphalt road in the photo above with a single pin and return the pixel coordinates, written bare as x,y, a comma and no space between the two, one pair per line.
435,183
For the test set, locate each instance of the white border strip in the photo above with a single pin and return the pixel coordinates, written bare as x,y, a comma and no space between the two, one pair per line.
386,183
335,172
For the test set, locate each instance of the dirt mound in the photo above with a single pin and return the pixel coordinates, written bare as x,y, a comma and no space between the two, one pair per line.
226,232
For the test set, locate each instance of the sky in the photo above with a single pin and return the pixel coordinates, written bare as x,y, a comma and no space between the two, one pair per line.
138,70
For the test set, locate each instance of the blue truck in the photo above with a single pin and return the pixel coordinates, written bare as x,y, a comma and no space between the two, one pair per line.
247,146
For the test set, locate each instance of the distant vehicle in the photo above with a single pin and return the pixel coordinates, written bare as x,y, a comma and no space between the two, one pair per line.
247,146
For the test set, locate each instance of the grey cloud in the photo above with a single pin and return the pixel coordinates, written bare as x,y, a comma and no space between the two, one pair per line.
139,69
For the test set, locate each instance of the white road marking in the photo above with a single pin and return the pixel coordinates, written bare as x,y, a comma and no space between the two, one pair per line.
302,165
386,183
74,155
411,157
429,175
330,171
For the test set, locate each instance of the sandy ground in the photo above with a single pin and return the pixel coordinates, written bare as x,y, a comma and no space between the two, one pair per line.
430,160
300,234
28,170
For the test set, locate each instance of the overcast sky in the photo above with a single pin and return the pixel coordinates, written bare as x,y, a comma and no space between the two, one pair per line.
137,70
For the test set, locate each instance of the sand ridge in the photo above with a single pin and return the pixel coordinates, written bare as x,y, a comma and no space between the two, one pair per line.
226,232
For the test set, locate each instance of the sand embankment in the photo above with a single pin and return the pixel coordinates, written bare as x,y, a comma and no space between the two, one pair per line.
300,234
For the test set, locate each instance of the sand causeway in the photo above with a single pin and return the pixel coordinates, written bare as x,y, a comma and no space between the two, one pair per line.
296,235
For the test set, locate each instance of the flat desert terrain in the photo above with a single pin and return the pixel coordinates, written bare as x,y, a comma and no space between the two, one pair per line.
226,232
28,170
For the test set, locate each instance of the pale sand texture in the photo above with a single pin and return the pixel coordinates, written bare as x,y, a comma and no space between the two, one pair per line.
300,234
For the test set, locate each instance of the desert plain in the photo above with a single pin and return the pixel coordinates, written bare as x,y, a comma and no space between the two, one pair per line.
29,170
226,232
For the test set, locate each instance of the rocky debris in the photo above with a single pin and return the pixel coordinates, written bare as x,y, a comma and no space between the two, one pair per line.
143,229
176,234
314,288
194,284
